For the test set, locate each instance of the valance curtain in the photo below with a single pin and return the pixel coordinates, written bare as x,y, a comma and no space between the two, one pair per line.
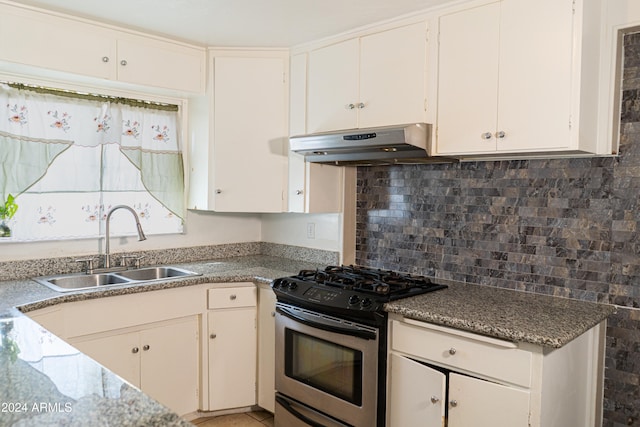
70,159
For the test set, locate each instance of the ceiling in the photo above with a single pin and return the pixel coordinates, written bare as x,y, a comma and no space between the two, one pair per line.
239,23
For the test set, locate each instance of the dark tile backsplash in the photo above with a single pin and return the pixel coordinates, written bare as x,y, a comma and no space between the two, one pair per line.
564,227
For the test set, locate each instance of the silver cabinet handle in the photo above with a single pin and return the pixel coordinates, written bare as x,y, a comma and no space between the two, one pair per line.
212,336
434,399
350,106
486,135
500,134
452,351
134,350
361,105
453,403
146,347
298,192
123,62
218,191
273,314
105,59
232,297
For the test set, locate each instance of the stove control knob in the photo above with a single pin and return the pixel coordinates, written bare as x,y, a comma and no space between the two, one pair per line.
354,299
366,302
292,286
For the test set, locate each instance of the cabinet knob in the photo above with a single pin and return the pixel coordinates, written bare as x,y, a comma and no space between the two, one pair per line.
273,314
212,336
146,347
350,106
123,62
218,191
361,105
486,135
434,399
134,350
232,297
298,192
453,403
500,134
105,59
452,351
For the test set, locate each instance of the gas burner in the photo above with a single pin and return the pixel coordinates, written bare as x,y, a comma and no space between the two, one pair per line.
364,279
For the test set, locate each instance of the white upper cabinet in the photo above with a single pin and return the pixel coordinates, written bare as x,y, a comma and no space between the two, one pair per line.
392,77
507,85
57,42
312,188
240,155
373,80
333,87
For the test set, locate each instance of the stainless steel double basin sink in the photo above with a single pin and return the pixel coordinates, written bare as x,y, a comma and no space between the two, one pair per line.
81,281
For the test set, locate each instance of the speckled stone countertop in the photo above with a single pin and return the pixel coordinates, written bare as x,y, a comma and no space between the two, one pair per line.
46,382
30,379
503,313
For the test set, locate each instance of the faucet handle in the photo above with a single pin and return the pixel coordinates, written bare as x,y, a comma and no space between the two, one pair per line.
137,259
88,264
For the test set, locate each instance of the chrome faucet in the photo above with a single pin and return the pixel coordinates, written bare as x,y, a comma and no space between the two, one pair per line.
141,236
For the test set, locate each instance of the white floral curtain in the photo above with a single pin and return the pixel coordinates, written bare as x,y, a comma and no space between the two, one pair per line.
71,159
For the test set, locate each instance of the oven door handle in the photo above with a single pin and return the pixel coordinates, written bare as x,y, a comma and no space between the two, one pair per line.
337,327
289,408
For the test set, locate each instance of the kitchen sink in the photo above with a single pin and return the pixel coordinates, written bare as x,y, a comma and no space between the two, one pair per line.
81,281
154,273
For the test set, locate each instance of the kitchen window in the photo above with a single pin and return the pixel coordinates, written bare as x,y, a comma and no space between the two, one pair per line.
68,158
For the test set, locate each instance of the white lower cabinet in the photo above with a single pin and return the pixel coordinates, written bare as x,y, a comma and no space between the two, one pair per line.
232,346
440,376
160,359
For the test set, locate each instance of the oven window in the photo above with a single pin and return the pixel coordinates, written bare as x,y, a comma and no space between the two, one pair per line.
324,365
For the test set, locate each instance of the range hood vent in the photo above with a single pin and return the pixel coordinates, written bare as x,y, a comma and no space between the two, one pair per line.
388,145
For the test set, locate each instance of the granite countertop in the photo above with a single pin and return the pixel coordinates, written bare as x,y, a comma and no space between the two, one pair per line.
33,373
47,382
503,313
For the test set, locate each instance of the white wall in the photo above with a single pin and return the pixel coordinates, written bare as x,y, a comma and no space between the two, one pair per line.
202,228
291,229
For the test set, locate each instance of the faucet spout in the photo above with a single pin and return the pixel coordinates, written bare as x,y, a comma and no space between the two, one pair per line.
141,236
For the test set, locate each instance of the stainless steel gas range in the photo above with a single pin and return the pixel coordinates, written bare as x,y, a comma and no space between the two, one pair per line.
331,341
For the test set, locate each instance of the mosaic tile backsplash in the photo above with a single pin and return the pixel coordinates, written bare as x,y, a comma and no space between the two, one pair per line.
564,227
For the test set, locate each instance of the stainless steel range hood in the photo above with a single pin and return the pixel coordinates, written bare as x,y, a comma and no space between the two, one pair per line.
402,144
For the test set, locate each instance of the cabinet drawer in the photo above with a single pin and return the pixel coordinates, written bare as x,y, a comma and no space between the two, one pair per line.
232,297
484,356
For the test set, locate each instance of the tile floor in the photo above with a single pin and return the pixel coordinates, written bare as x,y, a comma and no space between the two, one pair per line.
247,419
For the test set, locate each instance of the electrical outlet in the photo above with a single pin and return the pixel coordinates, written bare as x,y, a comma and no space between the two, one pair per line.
311,230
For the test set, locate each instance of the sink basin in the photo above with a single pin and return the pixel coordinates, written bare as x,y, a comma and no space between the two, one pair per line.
72,282
154,273
80,281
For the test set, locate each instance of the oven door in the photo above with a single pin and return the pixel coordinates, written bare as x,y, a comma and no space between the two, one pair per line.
327,364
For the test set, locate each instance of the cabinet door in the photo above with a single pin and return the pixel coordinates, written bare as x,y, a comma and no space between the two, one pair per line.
250,141
232,358
417,394
313,188
478,403
534,102
150,62
266,349
333,87
120,353
169,364
392,77
47,41
468,80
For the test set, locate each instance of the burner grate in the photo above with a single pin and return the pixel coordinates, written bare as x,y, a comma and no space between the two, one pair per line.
364,279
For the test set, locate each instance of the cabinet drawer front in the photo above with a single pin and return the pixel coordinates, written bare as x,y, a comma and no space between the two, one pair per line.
232,297
486,357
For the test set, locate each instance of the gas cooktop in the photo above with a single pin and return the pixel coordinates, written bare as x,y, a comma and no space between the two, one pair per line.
353,291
